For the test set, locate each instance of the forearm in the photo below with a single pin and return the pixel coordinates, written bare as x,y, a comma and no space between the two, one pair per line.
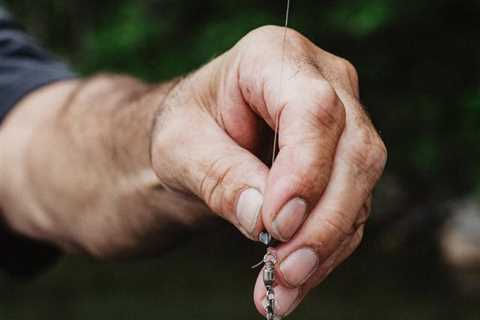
77,169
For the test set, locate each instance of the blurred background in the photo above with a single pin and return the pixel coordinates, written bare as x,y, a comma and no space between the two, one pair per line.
419,65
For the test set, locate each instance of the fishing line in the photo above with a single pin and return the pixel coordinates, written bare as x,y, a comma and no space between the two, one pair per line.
277,118
269,260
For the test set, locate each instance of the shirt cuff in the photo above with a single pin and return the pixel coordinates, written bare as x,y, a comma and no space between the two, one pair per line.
33,78
22,257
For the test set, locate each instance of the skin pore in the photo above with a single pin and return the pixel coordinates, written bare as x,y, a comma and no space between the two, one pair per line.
112,167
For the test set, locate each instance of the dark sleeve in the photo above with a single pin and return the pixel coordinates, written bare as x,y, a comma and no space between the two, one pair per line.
21,257
24,67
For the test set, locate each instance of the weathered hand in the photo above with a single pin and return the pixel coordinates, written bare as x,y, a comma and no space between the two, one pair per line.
208,140
80,156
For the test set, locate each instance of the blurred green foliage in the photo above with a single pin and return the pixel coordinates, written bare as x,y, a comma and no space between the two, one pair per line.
419,65
418,62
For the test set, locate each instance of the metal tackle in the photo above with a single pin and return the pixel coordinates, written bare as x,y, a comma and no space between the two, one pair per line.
268,275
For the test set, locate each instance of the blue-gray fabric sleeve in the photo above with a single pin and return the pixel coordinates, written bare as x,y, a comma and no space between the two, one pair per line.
24,65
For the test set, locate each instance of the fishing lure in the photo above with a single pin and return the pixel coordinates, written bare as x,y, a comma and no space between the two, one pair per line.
268,275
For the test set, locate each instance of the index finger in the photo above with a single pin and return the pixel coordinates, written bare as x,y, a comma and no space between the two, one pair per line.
309,128
290,89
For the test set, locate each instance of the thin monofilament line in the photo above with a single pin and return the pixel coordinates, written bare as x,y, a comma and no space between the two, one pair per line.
287,14
277,118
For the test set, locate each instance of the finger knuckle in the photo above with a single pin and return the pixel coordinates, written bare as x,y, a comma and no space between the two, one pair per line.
267,31
328,111
363,216
340,222
348,68
311,175
368,154
357,239
326,93
337,224
270,33
270,39
212,185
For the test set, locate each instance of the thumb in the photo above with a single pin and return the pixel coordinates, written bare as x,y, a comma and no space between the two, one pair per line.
191,153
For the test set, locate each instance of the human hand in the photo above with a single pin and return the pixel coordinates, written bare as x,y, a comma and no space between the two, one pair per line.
93,190
208,140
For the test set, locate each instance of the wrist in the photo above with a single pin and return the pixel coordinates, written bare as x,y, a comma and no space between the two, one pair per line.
189,103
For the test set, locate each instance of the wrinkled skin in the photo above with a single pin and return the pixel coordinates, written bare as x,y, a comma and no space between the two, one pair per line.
112,167
330,155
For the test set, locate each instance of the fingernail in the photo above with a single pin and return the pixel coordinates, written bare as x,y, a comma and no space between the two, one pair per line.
248,208
299,266
285,300
290,218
